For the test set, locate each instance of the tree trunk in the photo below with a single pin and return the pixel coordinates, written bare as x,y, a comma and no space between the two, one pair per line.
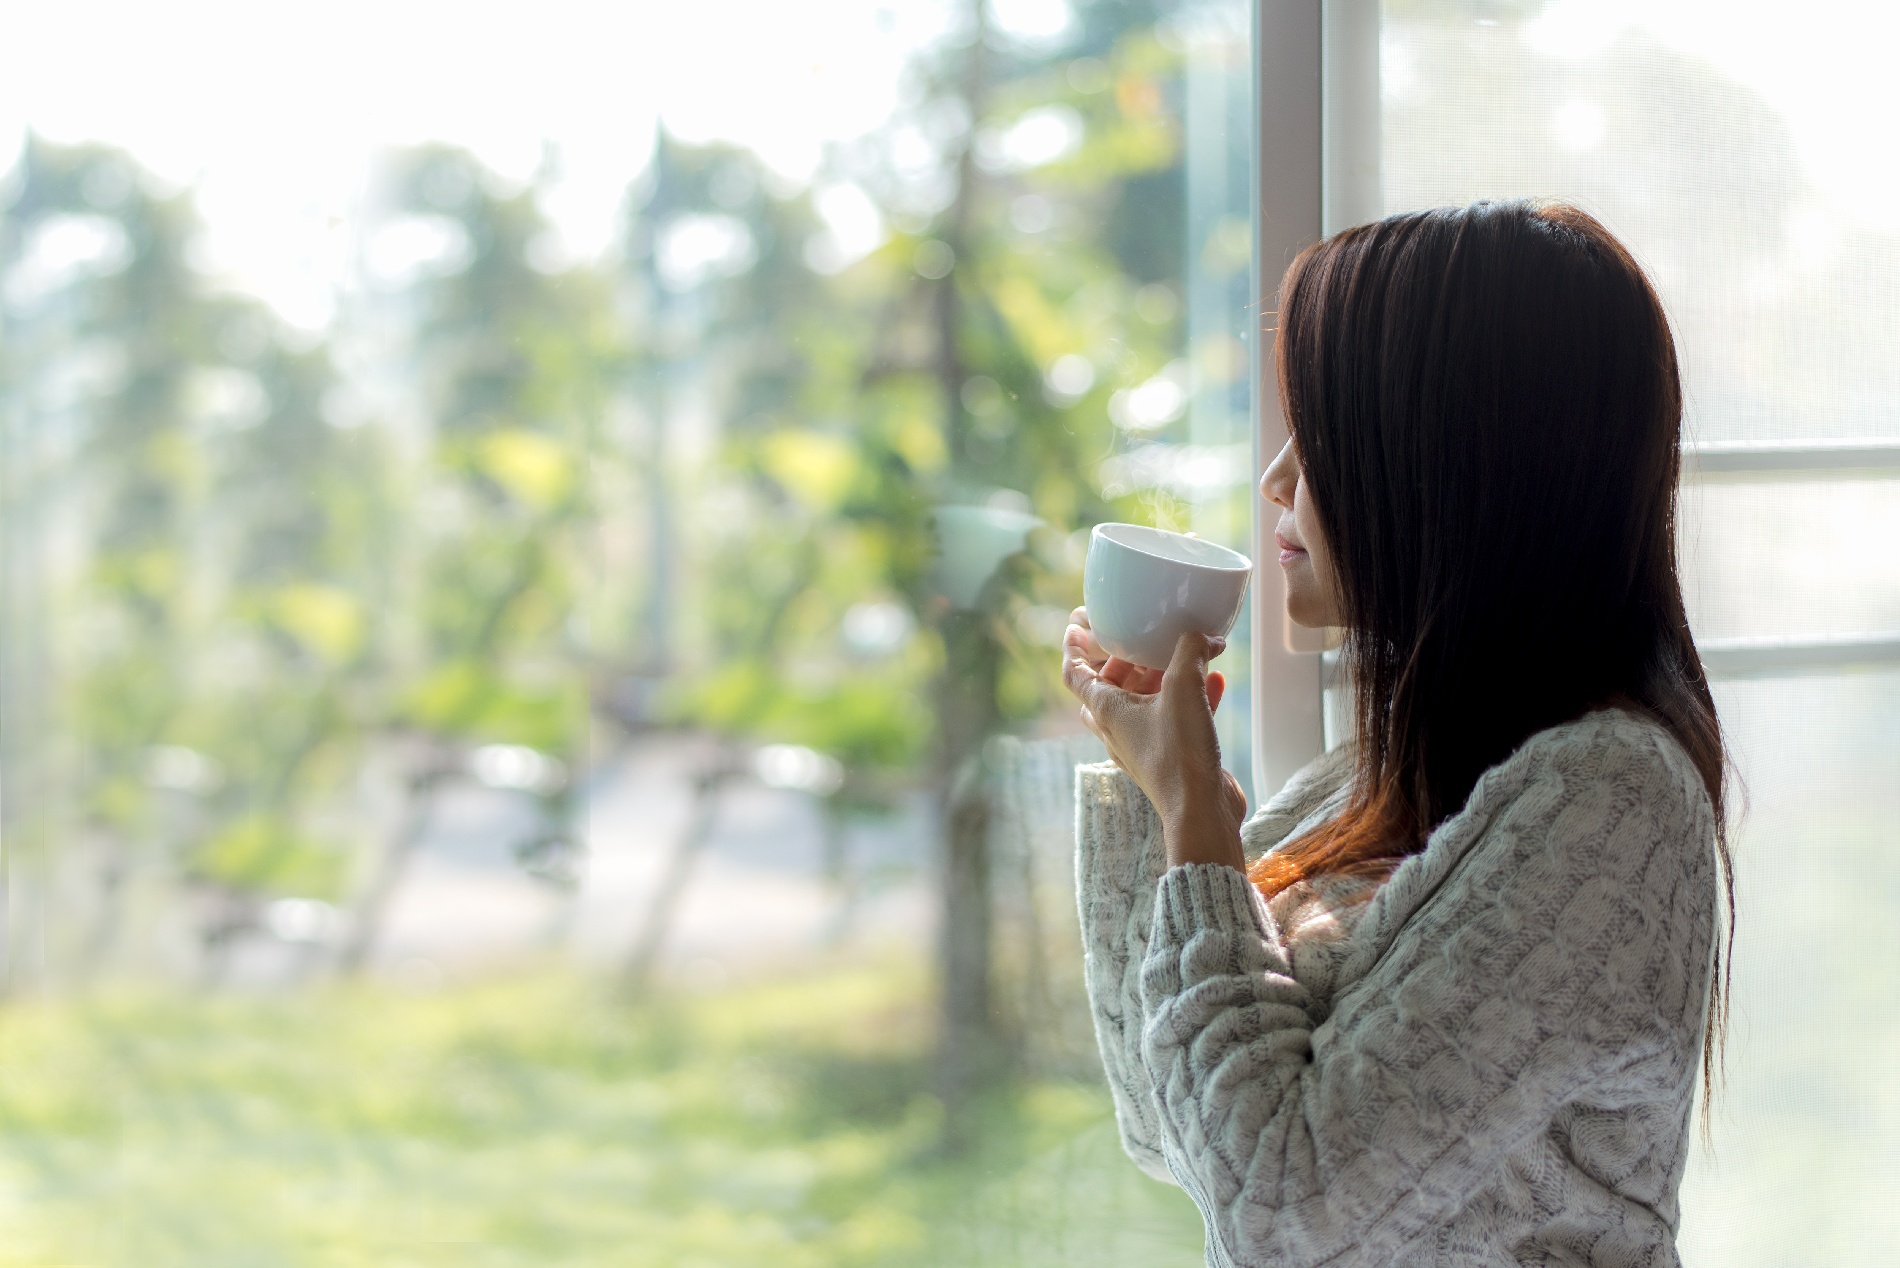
651,936
970,1050
969,1054
366,923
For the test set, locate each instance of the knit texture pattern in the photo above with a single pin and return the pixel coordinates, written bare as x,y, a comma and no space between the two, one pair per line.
1490,1061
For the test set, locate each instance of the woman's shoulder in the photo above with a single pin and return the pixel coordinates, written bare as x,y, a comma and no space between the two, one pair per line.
1614,774
1615,746
1610,794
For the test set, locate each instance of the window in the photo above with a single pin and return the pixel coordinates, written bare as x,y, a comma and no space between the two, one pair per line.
529,534
533,542
1741,157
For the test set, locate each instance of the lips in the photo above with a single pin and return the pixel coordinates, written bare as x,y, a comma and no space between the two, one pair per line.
1289,551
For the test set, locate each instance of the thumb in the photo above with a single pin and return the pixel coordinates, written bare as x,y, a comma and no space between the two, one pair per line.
1189,667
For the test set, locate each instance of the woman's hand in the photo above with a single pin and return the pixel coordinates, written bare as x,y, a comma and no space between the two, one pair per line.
1126,674
1159,727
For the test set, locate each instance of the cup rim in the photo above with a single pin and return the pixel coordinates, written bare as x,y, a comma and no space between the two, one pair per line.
1240,562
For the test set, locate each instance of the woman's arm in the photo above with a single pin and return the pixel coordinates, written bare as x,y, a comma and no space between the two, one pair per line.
1120,856
1118,863
1570,943
1121,853
1119,859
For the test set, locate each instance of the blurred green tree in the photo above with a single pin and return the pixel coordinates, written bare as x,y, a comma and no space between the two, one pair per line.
880,468
175,497
910,441
507,357
101,292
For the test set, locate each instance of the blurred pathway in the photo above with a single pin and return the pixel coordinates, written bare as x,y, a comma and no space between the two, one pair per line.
757,895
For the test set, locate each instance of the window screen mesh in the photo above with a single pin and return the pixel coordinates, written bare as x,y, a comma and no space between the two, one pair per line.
1783,294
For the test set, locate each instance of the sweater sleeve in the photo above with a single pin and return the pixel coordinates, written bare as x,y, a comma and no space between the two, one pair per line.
1120,857
1566,942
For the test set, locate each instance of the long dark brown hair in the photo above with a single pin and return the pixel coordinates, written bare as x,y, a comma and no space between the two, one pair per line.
1486,407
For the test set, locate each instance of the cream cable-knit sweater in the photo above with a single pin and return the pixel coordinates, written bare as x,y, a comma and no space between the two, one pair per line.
1490,1062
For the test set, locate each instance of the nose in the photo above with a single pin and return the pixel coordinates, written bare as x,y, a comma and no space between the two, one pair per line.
1276,484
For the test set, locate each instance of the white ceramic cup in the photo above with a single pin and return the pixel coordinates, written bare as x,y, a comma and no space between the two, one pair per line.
1145,587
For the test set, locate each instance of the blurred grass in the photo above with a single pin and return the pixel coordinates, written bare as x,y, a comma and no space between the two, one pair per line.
540,1120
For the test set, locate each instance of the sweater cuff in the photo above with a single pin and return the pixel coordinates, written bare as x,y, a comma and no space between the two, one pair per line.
1106,798
1205,898
1114,822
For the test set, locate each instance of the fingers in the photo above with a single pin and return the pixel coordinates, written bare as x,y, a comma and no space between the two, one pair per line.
1130,677
1077,670
1080,640
1080,637
1216,689
1090,686
1084,633
1102,700
1079,644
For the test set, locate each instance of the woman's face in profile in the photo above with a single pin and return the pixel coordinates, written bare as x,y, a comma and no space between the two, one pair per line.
1311,598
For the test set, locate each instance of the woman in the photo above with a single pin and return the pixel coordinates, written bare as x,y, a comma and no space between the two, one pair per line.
1441,1001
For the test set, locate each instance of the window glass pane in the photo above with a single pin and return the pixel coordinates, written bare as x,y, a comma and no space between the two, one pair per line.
1771,559
1215,465
1779,263
529,603
1805,1129
1730,148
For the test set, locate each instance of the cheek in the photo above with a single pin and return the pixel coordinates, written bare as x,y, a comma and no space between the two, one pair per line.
1318,549
1306,518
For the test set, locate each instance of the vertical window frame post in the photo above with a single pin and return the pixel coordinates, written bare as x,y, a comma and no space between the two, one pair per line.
1318,170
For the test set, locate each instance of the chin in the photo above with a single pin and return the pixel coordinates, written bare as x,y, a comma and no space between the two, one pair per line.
1303,608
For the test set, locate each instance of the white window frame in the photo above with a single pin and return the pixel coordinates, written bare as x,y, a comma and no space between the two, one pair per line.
1316,112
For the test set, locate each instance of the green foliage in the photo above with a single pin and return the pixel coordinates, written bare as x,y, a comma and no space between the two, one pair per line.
537,1121
871,720
222,572
467,698
857,403
327,621
272,581
276,584
258,852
